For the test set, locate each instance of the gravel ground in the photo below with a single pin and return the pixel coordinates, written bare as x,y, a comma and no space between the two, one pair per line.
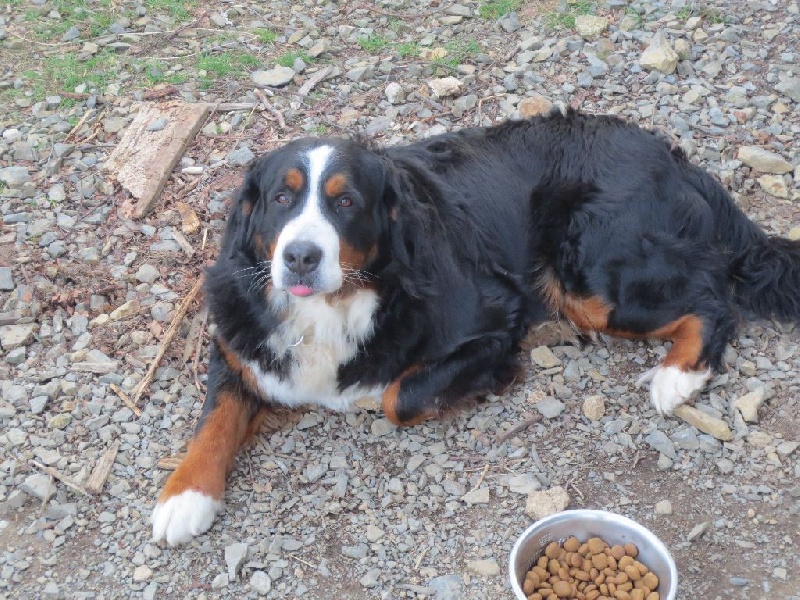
332,506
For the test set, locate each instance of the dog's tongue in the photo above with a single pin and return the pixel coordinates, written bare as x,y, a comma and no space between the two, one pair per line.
300,290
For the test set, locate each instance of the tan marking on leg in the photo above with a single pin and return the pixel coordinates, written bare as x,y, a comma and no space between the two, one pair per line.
294,179
211,454
336,185
686,334
390,398
236,365
247,207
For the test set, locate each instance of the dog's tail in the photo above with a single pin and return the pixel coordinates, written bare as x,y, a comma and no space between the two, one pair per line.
764,269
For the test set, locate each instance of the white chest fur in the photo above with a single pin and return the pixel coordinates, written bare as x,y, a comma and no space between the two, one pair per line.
318,336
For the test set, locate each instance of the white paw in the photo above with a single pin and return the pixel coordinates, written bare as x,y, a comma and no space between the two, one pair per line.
670,387
184,516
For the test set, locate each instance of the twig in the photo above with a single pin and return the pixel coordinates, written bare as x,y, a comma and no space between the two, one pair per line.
80,123
313,80
102,469
521,427
422,554
305,562
172,331
70,483
480,479
272,110
170,463
124,397
195,331
232,106
387,13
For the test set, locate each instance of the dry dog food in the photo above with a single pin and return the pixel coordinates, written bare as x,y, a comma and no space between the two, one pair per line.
590,570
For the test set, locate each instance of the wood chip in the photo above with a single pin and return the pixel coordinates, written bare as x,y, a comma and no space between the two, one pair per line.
313,80
124,397
69,482
102,469
190,222
183,242
170,463
143,160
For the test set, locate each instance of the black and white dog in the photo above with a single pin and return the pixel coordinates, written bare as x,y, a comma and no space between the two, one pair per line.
412,273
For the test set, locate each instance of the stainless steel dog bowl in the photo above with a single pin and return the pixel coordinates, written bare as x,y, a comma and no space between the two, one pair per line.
585,524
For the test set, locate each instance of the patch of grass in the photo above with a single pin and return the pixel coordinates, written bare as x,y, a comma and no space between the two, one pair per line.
373,43
714,15
320,129
100,24
287,59
685,12
497,8
566,19
224,64
265,36
407,49
64,73
177,9
458,51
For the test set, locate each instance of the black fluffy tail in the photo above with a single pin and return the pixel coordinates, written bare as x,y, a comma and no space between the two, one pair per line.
765,270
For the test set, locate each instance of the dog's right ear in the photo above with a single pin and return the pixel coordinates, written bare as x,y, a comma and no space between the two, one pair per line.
243,217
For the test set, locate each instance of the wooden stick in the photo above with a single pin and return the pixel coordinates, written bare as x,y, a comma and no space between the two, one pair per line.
517,428
124,397
313,80
70,483
102,469
170,463
272,110
170,334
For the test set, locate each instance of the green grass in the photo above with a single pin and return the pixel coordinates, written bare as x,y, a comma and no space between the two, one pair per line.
177,9
287,59
566,19
221,65
714,15
497,8
407,49
265,36
458,51
685,12
373,43
64,73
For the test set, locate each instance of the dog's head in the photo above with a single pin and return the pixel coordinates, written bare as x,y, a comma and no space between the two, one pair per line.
314,210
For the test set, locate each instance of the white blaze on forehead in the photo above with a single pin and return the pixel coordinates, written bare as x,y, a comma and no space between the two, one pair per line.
312,226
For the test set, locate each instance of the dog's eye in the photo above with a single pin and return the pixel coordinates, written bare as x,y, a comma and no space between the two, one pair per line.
344,202
282,198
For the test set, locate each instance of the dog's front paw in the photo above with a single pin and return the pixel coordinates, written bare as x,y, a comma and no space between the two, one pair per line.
183,516
670,387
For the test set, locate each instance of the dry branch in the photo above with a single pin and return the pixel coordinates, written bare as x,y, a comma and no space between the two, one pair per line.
102,469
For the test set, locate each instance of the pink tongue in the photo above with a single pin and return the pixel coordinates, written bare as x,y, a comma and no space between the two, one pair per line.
301,290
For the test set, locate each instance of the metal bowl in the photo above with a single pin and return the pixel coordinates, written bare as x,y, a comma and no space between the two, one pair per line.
585,524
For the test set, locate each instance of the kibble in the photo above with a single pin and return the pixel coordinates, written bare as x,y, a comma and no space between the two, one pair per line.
590,570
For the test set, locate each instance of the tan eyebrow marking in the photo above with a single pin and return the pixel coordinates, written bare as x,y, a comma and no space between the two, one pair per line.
335,185
294,179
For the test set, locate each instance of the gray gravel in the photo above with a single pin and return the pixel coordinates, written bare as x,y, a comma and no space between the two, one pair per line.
346,505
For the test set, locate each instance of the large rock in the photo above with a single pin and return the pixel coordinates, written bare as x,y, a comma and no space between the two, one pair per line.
14,177
548,502
533,106
763,160
15,336
590,26
445,86
659,55
277,77
790,87
749,403
774,185
705,423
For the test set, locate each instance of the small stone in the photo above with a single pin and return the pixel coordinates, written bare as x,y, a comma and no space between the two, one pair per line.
318,48
534,106
705,423
357,74
659,55
260,583
219,582
774,185
277,77
780,573
549,407
14,177
660,442
759,439
374,533
445,86
234,557
39,485
37,404
142,573
697,531
544,358
240,157
147,274
447,587
371,579
590,26
594,407
786,448
113,124
394,93
382,427
540,504
60,421
748,404
479,496
158,124
664,507
15,336
128,309
763,160
790,87
485,568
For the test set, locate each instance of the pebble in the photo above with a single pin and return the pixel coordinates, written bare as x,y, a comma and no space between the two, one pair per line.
549,407
763,160
276,77
543,357
142,573
260,583
39,485
664,507
445,86
6,279
485,568
541,504
234,558
749,404
594,407
478,496
659,55
240,157
705,423
590,26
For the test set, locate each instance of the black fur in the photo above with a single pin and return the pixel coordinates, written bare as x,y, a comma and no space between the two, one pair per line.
466,227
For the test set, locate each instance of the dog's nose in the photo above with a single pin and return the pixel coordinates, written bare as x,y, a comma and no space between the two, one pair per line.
302,257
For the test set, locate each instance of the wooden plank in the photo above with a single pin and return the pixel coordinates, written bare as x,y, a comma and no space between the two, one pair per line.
143,160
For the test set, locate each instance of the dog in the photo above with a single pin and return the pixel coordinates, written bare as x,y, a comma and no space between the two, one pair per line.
412,274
